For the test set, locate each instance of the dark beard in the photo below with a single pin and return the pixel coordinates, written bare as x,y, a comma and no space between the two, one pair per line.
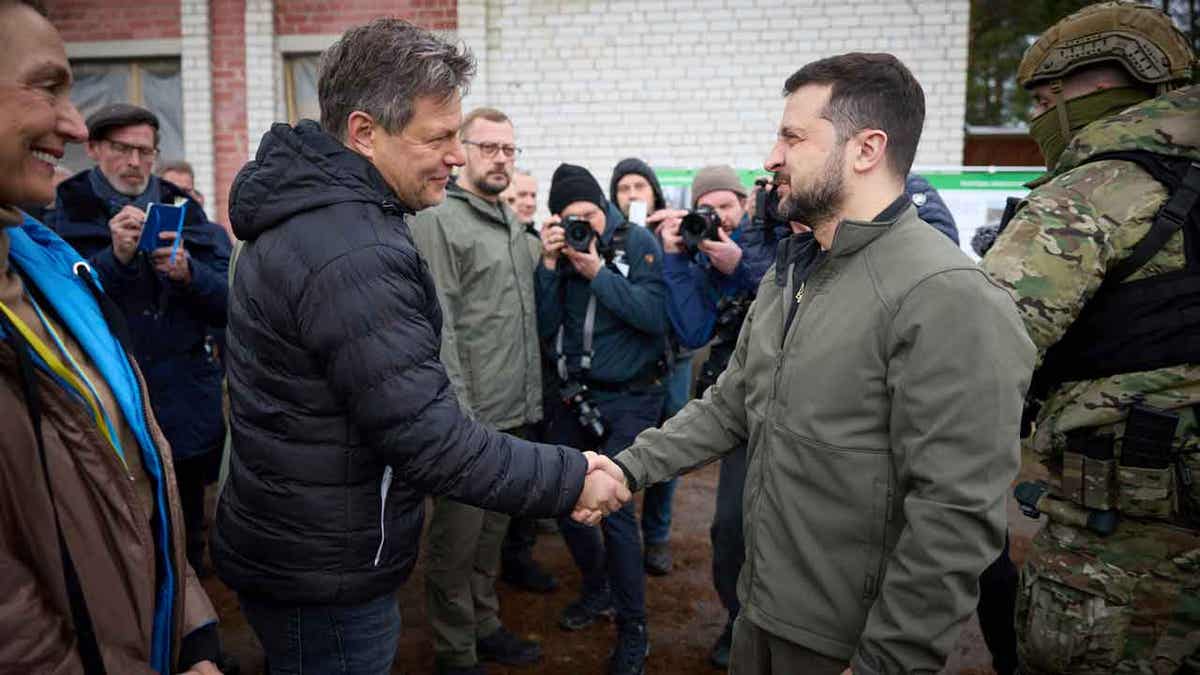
492,189
822,201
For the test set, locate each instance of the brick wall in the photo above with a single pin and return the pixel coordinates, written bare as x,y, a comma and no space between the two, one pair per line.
196,69
95,20
303,17
685,83
228,45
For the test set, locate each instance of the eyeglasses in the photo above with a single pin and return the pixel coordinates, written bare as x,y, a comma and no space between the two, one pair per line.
490,149
126,150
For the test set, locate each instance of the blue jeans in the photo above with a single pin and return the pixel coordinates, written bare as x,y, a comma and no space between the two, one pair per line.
728,542
614,560
328,639
656,505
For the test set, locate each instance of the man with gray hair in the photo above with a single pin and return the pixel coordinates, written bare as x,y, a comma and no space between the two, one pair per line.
342,415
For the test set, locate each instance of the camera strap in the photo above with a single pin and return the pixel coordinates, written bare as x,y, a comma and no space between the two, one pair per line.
589,333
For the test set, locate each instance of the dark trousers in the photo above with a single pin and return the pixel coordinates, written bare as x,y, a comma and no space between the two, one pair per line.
191,476
611,555
728,542
517,549
757,652
997,609
657,499
328,639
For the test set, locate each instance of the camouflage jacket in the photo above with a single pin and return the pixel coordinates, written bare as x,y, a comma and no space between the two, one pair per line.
1078,223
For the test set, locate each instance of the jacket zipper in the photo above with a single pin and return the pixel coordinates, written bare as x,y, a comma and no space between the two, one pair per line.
384,485
788,330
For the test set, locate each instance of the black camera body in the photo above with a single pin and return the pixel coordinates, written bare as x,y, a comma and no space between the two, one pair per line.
699,225
578,233
731,314
577,398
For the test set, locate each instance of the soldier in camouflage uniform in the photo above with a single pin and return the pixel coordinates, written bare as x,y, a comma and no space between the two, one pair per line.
1110,89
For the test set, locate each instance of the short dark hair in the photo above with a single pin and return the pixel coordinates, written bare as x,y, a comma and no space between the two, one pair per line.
382,68
489,114
870,91
177,166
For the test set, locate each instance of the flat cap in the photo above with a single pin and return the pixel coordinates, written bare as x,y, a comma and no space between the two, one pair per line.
117,115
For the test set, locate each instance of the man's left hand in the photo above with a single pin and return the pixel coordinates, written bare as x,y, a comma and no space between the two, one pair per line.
847,671
724,255
588,264
181,269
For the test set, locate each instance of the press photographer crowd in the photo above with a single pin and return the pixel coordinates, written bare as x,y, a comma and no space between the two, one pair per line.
390,324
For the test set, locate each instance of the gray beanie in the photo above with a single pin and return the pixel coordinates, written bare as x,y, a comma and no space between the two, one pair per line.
717,177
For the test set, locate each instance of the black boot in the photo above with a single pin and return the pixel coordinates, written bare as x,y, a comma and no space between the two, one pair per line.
633,646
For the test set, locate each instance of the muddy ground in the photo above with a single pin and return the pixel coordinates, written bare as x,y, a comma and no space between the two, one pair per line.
684,613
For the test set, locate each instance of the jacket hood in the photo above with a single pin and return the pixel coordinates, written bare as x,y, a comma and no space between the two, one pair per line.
635,165
299,169
1167,125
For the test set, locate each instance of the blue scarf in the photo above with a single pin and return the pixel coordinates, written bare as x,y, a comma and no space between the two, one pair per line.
46,262
116,200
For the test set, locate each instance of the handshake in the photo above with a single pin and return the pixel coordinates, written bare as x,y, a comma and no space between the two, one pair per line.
604,490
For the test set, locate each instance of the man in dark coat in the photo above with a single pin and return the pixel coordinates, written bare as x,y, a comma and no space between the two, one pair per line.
343,418
171,300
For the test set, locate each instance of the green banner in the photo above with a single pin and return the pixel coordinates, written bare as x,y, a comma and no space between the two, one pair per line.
941,180
980,180
683,177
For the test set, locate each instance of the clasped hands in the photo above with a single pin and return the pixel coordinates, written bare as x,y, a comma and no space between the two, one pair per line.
604,490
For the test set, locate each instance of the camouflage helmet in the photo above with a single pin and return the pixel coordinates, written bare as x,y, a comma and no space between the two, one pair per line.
1140,38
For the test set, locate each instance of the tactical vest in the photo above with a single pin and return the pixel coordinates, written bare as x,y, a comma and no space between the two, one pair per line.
1145,324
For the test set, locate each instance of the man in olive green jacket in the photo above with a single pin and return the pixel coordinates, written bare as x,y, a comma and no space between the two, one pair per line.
878,383
482,263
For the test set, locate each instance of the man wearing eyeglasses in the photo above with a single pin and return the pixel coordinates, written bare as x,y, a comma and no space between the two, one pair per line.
483,266
172,298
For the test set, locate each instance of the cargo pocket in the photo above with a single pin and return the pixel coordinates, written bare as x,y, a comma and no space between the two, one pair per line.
1145,492
1073,612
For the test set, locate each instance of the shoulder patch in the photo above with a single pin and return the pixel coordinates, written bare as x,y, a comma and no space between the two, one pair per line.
649,258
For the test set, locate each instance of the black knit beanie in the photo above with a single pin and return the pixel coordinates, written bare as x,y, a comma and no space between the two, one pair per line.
573,183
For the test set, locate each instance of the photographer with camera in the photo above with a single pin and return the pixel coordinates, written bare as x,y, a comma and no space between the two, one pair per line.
637,193
601,314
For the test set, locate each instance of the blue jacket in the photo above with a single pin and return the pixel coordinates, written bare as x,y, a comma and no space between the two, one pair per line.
694,287
930,207
168,322
630,310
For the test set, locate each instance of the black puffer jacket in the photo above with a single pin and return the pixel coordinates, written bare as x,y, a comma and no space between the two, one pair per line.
337,393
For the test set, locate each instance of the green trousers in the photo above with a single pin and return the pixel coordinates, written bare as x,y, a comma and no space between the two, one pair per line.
461,566
757,652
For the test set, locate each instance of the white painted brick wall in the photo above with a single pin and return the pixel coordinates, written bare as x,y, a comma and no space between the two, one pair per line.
196,72
263,71
684,83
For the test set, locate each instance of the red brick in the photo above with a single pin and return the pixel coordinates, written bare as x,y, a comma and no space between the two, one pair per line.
228,54
306,17
90,20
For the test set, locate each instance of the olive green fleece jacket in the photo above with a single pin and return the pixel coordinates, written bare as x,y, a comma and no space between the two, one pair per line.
882,429
483,266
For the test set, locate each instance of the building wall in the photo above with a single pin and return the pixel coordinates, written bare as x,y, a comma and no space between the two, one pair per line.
684,83
681,83
97,20
229,99
320,17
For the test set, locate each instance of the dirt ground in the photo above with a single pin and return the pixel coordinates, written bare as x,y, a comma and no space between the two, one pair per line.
685,616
